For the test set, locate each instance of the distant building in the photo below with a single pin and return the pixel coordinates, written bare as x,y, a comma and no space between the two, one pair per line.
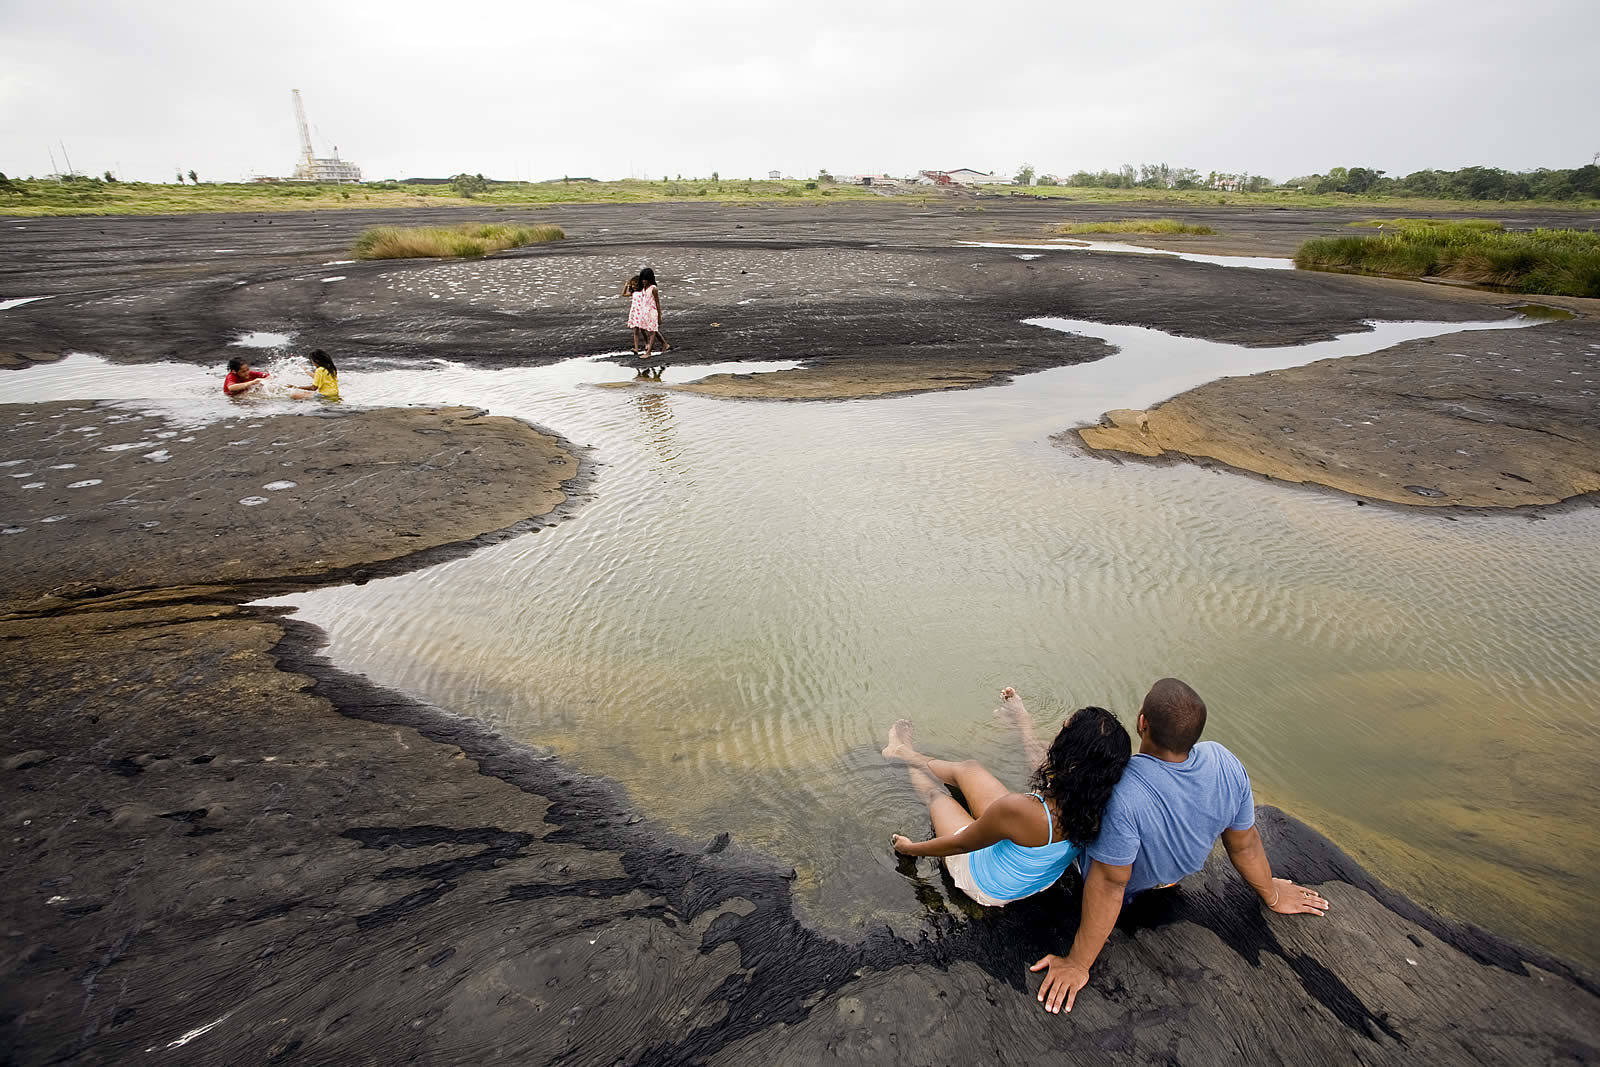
331,169
774,174
967,176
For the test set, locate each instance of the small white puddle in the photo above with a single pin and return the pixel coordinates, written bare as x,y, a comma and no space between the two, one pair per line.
262,339
1252,262
1152,366
18,301
335,278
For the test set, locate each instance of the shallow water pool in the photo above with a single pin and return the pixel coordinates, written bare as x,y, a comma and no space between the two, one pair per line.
757,589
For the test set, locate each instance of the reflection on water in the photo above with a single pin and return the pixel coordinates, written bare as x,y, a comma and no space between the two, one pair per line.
757,590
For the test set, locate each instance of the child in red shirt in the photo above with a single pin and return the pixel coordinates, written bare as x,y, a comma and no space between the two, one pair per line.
241,379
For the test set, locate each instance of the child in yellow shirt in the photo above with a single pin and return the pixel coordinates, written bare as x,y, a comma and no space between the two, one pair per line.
324,379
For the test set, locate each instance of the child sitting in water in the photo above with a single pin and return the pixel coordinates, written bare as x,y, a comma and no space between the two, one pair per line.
324,379
241,379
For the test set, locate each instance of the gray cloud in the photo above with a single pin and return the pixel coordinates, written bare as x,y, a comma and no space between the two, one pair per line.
544,89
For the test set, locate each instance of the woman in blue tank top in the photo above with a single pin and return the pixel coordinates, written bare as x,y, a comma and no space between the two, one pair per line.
1012,845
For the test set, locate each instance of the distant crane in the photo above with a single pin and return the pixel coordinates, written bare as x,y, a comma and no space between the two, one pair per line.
307,156
312,169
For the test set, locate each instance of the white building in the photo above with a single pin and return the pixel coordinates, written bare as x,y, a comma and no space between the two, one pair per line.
967,176
326,170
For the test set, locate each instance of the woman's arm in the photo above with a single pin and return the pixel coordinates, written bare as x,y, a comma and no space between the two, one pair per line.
999,821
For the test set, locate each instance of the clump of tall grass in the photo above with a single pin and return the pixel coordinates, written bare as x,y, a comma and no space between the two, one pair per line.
1556,262
449,242
1135,226
1476,224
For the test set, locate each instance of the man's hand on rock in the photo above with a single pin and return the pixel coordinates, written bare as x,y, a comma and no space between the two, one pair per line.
1291,899
1061,983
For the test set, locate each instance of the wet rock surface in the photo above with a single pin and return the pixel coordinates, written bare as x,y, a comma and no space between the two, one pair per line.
98,500
231,850
885,285
1483,419
220,847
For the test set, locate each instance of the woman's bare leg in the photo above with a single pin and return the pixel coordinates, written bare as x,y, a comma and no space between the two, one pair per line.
971,777
1011,711
947,813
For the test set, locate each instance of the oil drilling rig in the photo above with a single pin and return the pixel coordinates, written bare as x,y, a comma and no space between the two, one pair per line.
310,168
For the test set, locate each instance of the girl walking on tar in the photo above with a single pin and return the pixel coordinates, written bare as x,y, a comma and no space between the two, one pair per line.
644,312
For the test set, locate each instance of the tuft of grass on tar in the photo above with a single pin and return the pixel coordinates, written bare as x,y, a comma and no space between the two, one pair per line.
1136,226
449,242
1554,262
1475,224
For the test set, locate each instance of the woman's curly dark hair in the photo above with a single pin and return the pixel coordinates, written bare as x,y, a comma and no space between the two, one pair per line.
1084,763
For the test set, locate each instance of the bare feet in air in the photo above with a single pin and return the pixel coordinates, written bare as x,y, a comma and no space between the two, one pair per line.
899,746
1011,710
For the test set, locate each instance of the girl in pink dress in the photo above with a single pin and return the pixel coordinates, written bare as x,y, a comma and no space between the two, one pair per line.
644,313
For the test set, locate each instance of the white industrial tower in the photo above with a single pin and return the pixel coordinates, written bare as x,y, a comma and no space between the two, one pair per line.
312,169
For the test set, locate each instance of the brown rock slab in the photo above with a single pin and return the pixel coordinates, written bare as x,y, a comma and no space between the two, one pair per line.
1480,419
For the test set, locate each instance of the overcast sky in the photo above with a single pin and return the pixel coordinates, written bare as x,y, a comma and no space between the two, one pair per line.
539,89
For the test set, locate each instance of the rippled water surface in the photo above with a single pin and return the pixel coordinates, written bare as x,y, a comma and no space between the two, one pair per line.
757,589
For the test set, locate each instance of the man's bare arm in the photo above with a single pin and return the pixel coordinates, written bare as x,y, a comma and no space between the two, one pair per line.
1249,858
1102,903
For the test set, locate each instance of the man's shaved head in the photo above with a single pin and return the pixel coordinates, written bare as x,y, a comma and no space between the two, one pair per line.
1175,715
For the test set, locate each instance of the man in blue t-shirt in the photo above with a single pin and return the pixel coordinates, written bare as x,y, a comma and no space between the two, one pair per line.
1173,801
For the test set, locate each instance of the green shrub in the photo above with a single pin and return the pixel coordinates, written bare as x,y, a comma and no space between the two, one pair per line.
1135,226
1476,224
1557,262
449,242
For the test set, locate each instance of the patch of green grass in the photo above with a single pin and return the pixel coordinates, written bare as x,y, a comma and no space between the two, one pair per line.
1557,262
448,242
95,197
1476,224
85,197
1135,226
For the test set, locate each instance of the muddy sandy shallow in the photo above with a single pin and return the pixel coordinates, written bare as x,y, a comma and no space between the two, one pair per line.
221,846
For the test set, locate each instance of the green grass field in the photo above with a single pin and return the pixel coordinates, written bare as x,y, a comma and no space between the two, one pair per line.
1166,226
140,198
38,197
448,242
1554,262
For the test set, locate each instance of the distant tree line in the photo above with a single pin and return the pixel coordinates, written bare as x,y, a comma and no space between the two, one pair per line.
1164,176
1468,183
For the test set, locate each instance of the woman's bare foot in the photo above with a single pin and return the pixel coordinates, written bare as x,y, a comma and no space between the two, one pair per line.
1011,710
899,746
